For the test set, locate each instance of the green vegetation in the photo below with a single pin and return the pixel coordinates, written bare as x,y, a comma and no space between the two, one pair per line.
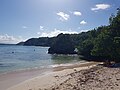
101,43
105,41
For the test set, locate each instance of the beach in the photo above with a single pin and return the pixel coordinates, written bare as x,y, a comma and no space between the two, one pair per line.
95,78
15,78
86,76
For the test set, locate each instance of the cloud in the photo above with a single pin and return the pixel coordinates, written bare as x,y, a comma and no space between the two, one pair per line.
41,28
77,13
84,31
10,39
100,7
63,16
83,22
55,33
24,27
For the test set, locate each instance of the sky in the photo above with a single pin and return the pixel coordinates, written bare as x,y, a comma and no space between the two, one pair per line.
24,19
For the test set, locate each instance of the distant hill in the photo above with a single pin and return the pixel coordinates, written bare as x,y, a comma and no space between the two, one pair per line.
6,44
41,41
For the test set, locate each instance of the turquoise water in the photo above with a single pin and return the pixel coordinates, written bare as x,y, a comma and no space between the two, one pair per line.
13,58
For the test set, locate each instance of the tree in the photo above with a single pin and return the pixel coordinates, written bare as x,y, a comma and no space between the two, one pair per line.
86,47
116,51
107,44
103,46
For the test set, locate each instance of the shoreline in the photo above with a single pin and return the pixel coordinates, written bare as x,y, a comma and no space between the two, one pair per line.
48,68
49,75
42,67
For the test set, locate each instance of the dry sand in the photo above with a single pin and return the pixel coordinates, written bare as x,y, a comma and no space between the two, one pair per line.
96,78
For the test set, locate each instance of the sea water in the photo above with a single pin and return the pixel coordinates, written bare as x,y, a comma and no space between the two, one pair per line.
14,58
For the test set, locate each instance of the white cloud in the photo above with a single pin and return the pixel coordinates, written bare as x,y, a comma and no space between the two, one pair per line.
100,7
24,27
55,33
77,13
83,31
10,39
83,22
63,16
41,27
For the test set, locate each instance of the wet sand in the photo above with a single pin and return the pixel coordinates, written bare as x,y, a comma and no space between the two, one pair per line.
13,78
